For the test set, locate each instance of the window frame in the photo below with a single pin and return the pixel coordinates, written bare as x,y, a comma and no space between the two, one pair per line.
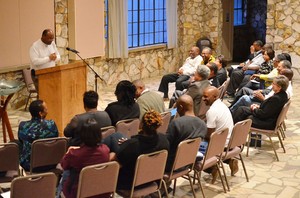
241,12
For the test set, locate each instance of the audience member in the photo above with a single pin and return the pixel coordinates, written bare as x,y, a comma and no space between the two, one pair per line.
90,152
195,89
147,141
147,100
248,68
90,103
207,56
36,128
222,72
187,126
264,116
218,117
214,81
183,74
125,107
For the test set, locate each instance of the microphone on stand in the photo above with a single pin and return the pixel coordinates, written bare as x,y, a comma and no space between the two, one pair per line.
72,50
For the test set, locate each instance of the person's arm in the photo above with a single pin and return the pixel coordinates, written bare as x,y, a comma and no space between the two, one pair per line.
209,132
269,109
56,52
69,130
35,59
270,76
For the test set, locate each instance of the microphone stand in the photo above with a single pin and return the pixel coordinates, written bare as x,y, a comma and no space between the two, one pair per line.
96,74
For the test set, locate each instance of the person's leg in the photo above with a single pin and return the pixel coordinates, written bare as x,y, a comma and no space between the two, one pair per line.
185,84
235,80
164,83
245,100
241,114
64,176
174,98
180,80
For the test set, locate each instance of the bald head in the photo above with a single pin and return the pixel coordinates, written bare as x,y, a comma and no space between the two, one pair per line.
185,105
210,95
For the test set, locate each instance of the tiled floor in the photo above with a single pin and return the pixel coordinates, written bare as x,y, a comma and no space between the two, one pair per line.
268,178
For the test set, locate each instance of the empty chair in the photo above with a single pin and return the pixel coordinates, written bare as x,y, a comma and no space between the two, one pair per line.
34,186
271,133
237,142
184,162
212,156
9,160
166,117
107,131
29,85
47,152
128,127
148,176
98,179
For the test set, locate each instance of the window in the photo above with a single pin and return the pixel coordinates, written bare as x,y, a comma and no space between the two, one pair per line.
240,12
146,22
106,19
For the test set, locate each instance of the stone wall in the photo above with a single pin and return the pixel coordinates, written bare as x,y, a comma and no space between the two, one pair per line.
283,29
197,18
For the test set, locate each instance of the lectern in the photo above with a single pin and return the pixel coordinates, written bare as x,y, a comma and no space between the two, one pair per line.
62,88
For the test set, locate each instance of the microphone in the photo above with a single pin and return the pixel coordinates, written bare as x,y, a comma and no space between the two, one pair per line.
72,50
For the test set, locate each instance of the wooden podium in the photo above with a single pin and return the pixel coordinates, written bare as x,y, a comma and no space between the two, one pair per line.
62,88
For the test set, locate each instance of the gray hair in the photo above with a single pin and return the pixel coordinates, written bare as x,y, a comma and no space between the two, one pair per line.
203,71
286,64
282,81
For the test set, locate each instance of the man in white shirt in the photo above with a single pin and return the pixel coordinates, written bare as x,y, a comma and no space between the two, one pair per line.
183,74
218,117
43,54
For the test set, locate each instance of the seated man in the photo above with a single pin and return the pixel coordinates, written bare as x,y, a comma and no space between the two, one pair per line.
183,73
90,103
213,78
222,72
147,100
218,117
195,89
248,68
36,128
264,116
187,126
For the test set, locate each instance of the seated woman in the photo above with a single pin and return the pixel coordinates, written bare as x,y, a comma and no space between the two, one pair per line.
147,141
125,107
264,116
89,153
36,128
222,72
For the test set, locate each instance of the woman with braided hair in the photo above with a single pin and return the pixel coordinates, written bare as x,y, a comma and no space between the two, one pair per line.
125,107
147,141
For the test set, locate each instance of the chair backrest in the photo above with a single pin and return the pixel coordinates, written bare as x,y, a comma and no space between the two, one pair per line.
9,155
47,151
223,88
216,144
166,117
128,127
203,109
98,179
283,113
186,153
239,134
107,131
34,186
28,79
150,167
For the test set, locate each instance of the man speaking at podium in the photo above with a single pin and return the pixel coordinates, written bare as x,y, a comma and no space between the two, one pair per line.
43,54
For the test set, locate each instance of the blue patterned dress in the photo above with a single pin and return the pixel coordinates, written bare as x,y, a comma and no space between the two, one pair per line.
31,130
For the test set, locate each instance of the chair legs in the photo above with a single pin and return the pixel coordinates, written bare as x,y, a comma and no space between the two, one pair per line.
244,167
191,184
221,165
198,175
165,188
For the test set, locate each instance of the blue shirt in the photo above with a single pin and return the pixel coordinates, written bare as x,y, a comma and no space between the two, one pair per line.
31,130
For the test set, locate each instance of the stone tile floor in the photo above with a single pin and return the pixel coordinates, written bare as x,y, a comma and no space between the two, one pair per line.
267,177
